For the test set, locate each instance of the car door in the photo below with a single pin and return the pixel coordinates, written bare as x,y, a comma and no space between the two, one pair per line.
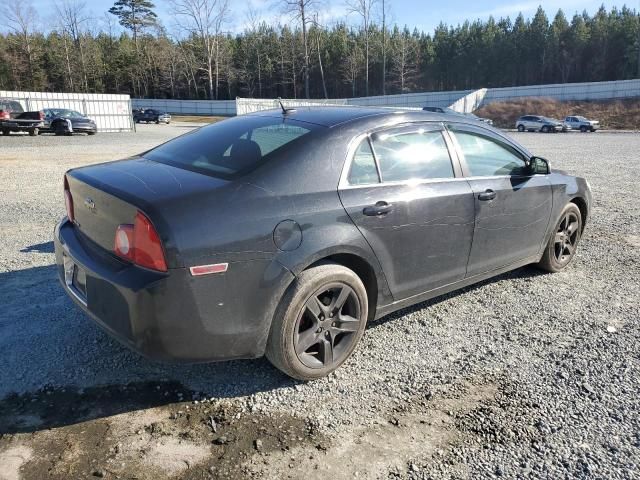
512,205
405,192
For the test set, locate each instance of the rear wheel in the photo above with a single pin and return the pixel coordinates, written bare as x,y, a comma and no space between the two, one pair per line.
6,131
563,242
544,129
33,132
521,128
318,323
583,129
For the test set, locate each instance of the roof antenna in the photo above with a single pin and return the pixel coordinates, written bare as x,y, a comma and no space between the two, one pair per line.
285,110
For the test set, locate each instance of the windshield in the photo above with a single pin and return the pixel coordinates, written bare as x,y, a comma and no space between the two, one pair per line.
581,119
64,113
232,147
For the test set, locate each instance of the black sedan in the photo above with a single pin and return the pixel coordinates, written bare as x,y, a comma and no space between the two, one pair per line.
62,121
284,232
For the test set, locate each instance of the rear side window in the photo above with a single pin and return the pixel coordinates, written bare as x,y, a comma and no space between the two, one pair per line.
230,148
363,166
412,155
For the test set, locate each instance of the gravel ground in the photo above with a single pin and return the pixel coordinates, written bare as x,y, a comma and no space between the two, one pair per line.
527,375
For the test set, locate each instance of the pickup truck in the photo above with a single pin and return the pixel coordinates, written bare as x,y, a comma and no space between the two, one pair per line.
13,118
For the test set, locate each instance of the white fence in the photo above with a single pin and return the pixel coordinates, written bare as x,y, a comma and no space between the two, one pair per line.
461,100
112,113
188,107
249,105
569,91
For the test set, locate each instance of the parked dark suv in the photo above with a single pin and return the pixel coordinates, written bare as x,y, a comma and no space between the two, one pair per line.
151,115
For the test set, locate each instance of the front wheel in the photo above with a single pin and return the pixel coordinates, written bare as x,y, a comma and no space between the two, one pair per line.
563,242
6,131
583,129
521,128
33,132
318,323
544,129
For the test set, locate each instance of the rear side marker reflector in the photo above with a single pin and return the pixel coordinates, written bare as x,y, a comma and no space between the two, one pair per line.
208,269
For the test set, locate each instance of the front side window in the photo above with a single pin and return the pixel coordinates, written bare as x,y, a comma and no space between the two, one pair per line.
232,147
421,154
486,156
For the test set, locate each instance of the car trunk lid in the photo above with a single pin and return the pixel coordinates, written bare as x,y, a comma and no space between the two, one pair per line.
108,195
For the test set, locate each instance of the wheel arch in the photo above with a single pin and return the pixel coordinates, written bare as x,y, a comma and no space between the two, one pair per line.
584,209
362,268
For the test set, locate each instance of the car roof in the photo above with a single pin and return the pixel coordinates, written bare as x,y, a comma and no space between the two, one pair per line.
332,116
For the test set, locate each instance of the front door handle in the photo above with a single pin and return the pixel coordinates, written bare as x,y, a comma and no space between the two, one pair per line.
487,195
377,210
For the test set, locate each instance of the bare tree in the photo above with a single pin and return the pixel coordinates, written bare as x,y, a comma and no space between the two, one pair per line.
384,47
364,8
205,20
20,18
301,10
72,17
319,29
351,66
404,66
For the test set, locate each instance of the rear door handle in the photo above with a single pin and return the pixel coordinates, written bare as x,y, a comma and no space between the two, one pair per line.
377,210
487,195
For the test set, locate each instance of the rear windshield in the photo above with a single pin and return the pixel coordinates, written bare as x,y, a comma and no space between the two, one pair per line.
231,148
11,106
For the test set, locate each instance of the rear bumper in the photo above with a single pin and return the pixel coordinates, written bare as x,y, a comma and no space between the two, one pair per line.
171,316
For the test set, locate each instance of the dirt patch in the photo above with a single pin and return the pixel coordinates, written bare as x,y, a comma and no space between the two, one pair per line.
395,445
142,431
12,459
618,114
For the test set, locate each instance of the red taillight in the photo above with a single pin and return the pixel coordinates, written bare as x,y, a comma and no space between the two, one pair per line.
4,115
140,244
68,200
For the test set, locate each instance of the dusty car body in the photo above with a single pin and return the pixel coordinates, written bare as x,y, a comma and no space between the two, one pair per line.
285,232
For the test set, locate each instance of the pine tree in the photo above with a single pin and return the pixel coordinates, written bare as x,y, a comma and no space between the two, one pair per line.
134,15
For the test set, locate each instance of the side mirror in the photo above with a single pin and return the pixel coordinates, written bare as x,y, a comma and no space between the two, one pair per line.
539,165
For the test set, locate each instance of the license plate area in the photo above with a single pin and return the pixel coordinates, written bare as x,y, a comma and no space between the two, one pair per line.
75,278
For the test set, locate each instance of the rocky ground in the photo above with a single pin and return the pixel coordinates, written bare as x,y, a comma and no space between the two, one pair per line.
528,375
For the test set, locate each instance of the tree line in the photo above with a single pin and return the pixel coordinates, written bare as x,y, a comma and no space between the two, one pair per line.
202,59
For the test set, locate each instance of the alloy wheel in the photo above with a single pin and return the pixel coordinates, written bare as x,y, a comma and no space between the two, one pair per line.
566,238
327,326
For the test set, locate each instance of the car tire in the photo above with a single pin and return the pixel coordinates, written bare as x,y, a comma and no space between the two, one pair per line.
91,133
521,128
544,129
311,334
564,240
583,129
33,132
6,131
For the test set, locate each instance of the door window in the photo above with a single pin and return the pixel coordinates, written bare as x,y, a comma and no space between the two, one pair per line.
486,156
363,166
413,155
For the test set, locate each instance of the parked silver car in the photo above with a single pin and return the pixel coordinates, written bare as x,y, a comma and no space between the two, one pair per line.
580,123
537,123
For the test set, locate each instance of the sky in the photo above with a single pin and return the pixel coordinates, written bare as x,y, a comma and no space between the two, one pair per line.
423,14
